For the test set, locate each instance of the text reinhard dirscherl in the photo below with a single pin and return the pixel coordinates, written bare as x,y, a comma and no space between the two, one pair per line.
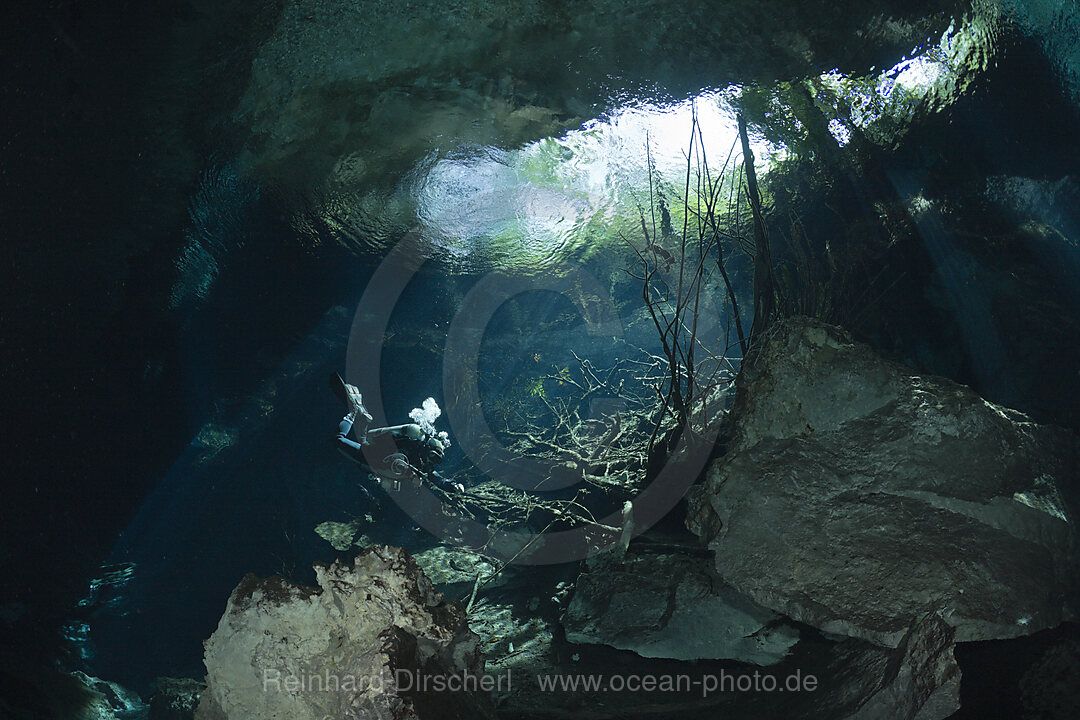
406,681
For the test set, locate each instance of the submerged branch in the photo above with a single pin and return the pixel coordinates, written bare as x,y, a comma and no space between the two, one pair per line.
764,295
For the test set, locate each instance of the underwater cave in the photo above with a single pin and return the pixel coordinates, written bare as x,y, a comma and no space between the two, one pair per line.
477,359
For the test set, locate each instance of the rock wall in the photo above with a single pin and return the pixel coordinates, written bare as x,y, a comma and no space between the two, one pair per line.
857,496
373,641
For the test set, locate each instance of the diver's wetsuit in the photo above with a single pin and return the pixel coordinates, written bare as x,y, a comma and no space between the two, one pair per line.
403,450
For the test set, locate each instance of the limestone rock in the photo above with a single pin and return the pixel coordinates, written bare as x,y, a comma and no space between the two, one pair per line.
673,606
360,645
856,680
921,681
175,699
519,643
340,535
331,97
857,496
452,569
106,700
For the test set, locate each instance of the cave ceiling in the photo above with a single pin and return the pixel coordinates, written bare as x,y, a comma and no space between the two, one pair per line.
355,94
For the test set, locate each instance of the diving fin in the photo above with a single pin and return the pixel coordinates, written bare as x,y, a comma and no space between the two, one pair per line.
350,395
338,386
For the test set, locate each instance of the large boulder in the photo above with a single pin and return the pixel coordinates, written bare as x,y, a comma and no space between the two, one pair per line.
673,606
857,496
920,680
373,641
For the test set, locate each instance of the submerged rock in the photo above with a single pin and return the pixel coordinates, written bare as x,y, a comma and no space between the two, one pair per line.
673,606
175,699
857,496
451,569
340,535
520,645
106,700
373,641
920,680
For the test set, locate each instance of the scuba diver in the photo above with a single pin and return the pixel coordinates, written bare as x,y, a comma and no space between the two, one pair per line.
407,452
